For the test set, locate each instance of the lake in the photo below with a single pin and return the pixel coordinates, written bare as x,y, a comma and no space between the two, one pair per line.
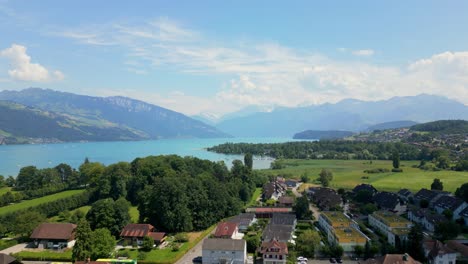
14,157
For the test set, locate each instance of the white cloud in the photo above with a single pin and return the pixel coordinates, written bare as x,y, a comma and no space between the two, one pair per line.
268,74
364,52
24,70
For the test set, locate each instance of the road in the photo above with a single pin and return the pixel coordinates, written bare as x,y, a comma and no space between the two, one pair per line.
315,210
196,251
14,249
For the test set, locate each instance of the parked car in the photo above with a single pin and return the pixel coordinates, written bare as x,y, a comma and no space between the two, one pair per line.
338,260
300,258
197,259
332,260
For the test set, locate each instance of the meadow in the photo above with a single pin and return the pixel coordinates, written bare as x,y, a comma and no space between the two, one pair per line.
38,201
349,173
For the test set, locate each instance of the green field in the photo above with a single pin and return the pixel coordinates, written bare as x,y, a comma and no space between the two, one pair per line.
45,255
83,209
348,173
35,202
5,190
255,195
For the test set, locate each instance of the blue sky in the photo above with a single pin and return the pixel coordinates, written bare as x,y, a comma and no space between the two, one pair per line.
215,57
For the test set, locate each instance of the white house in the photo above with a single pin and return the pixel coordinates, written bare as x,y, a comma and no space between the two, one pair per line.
222,250
438,253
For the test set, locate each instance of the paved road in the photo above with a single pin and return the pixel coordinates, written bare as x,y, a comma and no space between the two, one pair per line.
315,210
14,249
196,251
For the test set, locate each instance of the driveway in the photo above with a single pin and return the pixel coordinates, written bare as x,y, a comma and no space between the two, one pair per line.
196,251
15,249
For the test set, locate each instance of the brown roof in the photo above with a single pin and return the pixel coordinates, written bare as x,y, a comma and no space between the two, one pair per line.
436,248
271,210
157,236
391,259
6,259
458,247
274,246
225,229
136,230
54,231
286,200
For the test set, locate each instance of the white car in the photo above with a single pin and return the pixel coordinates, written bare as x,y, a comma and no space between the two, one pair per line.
300,259
304,259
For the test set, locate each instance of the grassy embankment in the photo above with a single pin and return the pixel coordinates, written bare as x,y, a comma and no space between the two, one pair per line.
349,173
38,201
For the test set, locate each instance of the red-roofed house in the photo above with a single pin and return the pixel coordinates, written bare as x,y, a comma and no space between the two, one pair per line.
274,252
136,232
227,230
54,235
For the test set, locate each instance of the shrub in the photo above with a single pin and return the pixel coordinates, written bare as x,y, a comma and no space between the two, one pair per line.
181,237
141,255
377,170
397,170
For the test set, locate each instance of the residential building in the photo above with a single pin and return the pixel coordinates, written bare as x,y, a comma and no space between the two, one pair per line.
273,190
222,251
54,235
284,219
405,195
460,248
243,221
291,183
391,259
429,195
267,212
325,198
389,201
438,253
286,201
454,204
274,252
394,227
227,230
6,259
464,215
365,187
134,233
430,221
282,233
341,230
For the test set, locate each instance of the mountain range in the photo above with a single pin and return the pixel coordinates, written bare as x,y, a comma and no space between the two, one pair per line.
349,114
81,117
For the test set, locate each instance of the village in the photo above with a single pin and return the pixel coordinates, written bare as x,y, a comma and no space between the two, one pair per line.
354,226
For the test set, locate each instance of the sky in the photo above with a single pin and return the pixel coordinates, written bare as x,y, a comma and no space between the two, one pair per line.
215,57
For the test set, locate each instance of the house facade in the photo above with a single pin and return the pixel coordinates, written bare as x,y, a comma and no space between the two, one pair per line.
222,251
393,226
54,235
227,230
341,230
135,233
438,253
274,252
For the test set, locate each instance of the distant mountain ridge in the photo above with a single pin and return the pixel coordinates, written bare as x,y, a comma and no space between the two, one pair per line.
322,134
392,125
146,120
350,115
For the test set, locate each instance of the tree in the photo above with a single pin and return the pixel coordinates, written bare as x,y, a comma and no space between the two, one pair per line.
368,208
437,185
462,192
415,236
424,203
446,230
305,177
325,177
83,246
358,250
253,242
302,208
103,244
25,222
108,214
248,161
147,244
307,243
396,160
363,196
443,162
10,181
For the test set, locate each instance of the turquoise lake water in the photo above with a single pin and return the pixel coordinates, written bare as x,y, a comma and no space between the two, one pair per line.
13,157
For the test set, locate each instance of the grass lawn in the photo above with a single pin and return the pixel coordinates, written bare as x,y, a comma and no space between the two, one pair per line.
6,243
83,209
167,255
34,202
255,196
45,255
5,190
134,214
348,173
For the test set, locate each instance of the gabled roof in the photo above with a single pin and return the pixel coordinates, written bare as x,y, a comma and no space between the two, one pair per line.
279,228
436,248
242,219
283,219
434,218
364,187
325,198
286,200
458,247
157,236
425,194
448,202
63,231
386,200
136,230
224,244
274,246
404,192
6,259
225,229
